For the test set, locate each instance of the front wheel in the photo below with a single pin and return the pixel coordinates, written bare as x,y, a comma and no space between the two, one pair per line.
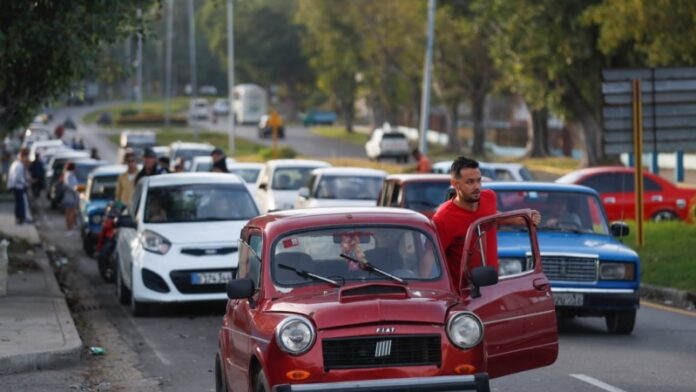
621,322
260,383
220,383
122,292
663,216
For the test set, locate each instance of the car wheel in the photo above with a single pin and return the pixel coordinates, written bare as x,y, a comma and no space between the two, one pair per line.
621,322
106,263
122,291
138,308
260,383
662,216
220,383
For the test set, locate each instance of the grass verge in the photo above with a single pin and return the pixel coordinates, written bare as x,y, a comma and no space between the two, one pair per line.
339,132
666,257
150,106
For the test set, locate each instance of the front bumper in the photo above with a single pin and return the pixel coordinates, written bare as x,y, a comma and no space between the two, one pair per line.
477,382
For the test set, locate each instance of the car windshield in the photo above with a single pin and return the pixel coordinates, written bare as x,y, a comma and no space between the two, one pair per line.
204,166
249,175
425,196
83,170
348,188
560,211
199,203
402,252
290,178
103,187
188,154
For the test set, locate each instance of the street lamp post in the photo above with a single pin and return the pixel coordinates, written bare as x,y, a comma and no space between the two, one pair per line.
231,132
139,70
192,57
168,69
427,70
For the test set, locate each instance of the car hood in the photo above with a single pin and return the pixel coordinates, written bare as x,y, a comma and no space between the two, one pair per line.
95,205
199,232
604,246
363,304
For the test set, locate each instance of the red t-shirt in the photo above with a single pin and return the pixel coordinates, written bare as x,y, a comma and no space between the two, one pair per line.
452,223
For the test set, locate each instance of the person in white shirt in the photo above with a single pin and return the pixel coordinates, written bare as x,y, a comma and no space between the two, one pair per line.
17,182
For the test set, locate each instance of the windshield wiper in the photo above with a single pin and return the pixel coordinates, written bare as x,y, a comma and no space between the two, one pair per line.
371,268
310,275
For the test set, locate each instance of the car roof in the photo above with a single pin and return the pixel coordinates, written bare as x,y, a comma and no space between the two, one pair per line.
528,186
192,146
109,170
193,178
47,143
71,154
274,163
417,177
90,161
349,171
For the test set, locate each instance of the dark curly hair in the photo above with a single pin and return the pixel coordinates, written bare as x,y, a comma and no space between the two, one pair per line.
462,163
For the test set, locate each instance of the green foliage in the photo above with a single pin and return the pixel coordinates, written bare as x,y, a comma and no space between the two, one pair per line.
283,152
340,133
45,46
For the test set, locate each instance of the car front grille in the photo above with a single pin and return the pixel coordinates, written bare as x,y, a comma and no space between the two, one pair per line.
209,251
569,268
381,351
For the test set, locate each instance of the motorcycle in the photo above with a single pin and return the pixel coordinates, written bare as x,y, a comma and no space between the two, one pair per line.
106,244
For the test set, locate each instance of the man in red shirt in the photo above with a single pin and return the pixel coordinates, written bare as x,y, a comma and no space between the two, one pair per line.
454,217
423,164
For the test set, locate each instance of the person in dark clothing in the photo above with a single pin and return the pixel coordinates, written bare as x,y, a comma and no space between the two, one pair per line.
94,153
150,166
219,161
37,171
164,163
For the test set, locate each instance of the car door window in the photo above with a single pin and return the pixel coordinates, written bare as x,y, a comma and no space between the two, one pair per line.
602,183
135,200
651,185
250,259
395,197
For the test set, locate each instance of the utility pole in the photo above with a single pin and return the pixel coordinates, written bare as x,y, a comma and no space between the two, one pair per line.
139,70
230,76
427,70
129,64
168,69
192,57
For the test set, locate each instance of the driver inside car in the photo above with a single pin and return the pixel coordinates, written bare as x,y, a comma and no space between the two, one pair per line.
558,214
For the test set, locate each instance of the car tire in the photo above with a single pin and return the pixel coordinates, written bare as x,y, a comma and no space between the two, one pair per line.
138,308
106,262
220,382
260,382
122,292
621,322
665,216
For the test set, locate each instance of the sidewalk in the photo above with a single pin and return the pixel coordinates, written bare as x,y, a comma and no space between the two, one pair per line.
36,328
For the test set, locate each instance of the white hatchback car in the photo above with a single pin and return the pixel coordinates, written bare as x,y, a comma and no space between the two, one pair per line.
178,241
280,181
386,142
341,187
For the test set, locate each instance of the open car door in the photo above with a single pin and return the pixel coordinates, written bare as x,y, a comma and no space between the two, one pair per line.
518,312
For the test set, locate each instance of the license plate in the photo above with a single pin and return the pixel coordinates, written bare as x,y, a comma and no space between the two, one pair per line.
211,277
568,299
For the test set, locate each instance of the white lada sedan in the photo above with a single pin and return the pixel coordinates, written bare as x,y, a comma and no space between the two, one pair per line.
178,241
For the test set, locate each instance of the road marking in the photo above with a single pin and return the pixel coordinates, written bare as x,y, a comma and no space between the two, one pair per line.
668,308
597,383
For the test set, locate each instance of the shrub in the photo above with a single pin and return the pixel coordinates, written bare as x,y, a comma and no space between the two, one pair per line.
283,153
150,119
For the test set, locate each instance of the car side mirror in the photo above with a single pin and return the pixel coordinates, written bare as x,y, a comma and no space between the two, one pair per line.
619,229
304,192
123,221
263,186
240,288
481,277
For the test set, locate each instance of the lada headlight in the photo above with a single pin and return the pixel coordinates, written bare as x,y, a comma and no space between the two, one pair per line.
510,266
465,330
617,271
295,335
96,219
155,243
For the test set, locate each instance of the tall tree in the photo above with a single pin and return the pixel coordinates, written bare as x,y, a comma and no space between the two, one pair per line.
45,46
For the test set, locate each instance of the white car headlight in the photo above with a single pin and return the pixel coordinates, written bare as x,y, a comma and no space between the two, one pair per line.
465,330
155,243
617,271
510,266
295,335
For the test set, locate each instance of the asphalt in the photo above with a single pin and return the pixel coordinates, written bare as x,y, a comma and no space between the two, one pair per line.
37,330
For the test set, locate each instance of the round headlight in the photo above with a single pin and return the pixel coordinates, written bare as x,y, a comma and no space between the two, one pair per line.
295,335
509,267
96,219
465,330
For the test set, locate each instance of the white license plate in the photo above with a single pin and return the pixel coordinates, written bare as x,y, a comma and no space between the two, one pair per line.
211,277
568,299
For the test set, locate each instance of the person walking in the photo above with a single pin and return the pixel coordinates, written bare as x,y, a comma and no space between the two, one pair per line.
71,197
38,175
17,182
126,180
219,161
423,164
150,166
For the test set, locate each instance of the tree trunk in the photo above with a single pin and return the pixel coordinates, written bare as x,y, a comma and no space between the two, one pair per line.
478,102
453,128
538,134
348,109
591,130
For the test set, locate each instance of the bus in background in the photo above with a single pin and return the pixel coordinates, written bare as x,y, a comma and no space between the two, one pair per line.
249,103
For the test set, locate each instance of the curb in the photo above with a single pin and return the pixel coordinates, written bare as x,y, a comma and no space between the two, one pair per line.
69,353
669,296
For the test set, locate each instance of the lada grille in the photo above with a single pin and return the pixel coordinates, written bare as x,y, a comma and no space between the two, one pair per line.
569,268
381,351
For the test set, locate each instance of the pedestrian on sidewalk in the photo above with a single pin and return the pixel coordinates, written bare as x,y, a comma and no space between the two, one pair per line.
70,197
423,164
17,181
38,175
126,180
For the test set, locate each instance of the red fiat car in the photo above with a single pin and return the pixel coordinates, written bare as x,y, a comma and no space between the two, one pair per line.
359,299
662,200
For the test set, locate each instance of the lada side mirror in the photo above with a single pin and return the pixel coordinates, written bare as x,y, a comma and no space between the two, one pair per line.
619,229
304,192
484,276
123,221
240,288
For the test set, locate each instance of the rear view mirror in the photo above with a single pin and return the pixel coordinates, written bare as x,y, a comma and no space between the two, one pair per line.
484,276
240,288
619,229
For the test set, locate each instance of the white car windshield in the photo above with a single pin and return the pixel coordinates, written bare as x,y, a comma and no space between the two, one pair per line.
362,253
199,203
249,175
348,188
290,178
